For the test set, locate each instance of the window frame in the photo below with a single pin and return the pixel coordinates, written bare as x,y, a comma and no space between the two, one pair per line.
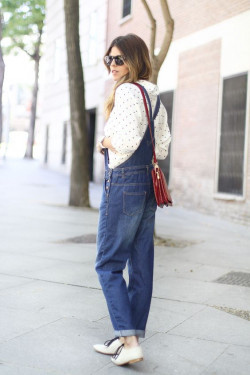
128,16
222,195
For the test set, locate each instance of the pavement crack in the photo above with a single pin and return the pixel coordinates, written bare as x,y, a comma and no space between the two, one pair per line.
52,281
98,320
215,359
100,369
189,317
178,300
209,340
34,329
22,366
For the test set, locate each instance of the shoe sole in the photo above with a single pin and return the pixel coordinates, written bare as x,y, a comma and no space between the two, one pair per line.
129,362
136,360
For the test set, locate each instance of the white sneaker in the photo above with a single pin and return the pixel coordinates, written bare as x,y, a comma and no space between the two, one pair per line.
123,355
109,347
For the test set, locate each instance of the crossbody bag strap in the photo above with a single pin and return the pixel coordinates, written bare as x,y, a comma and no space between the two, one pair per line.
149,122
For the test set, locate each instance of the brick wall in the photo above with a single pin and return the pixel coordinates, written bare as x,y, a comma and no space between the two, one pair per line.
194,15
189,16
195,123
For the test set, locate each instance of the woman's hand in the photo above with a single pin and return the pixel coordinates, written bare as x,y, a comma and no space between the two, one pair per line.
107,144
104,142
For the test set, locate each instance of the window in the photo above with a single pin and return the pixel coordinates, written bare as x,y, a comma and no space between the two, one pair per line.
126,9
232,138
91,122
167,99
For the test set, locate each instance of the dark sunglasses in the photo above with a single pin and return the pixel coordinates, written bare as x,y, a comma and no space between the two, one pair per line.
119,60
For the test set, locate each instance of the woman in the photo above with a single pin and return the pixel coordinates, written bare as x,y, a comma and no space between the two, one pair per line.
127,211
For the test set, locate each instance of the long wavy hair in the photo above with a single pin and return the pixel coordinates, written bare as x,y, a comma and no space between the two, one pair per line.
137,60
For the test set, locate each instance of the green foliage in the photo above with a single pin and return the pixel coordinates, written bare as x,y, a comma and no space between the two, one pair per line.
23,24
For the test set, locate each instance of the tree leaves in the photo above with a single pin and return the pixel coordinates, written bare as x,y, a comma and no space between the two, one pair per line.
23,24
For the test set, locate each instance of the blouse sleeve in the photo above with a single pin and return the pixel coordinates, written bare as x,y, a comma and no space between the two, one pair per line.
162,133
126,119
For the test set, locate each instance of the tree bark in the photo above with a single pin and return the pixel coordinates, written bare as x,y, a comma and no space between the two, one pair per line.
2,68
31,136
153,28
157,60
79,179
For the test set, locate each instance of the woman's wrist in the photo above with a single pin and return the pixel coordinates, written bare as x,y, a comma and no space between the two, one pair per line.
100,147
104,142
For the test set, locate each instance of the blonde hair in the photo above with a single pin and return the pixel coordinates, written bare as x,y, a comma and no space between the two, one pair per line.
137,60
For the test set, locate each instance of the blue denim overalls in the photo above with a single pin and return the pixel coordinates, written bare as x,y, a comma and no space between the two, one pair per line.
125,234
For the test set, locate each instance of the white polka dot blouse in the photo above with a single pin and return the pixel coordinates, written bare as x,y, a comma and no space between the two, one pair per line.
127,123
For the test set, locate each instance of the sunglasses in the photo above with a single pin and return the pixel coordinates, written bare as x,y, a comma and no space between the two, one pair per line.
119,60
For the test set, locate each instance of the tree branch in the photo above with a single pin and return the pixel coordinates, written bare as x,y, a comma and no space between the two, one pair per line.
153,28
19,45
169,23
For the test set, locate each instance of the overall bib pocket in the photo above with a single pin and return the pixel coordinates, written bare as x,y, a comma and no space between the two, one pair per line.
133,202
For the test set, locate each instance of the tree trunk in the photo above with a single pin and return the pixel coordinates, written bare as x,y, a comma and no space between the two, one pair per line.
30,143
155,70
79,179
2,67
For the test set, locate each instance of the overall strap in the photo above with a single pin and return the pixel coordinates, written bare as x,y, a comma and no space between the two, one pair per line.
106,157
149,116
157,106
149,103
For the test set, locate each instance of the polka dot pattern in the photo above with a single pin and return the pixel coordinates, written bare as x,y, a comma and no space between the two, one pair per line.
128,122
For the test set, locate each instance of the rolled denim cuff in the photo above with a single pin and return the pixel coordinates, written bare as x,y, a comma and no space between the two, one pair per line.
130,332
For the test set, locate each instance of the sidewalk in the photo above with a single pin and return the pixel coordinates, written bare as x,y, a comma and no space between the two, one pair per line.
52,309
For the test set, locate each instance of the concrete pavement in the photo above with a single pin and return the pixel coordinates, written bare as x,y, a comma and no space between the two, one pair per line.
52,309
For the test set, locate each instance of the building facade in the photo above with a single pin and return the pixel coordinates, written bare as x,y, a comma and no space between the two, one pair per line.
54,86
204,84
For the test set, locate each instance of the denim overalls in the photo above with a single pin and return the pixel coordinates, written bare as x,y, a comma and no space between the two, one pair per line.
125,234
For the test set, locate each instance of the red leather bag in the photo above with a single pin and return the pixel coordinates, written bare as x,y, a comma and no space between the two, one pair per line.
162,195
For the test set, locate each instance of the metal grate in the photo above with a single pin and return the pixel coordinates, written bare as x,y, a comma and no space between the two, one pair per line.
233,119
235,278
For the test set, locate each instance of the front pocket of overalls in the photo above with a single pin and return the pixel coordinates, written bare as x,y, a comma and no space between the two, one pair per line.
133,202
